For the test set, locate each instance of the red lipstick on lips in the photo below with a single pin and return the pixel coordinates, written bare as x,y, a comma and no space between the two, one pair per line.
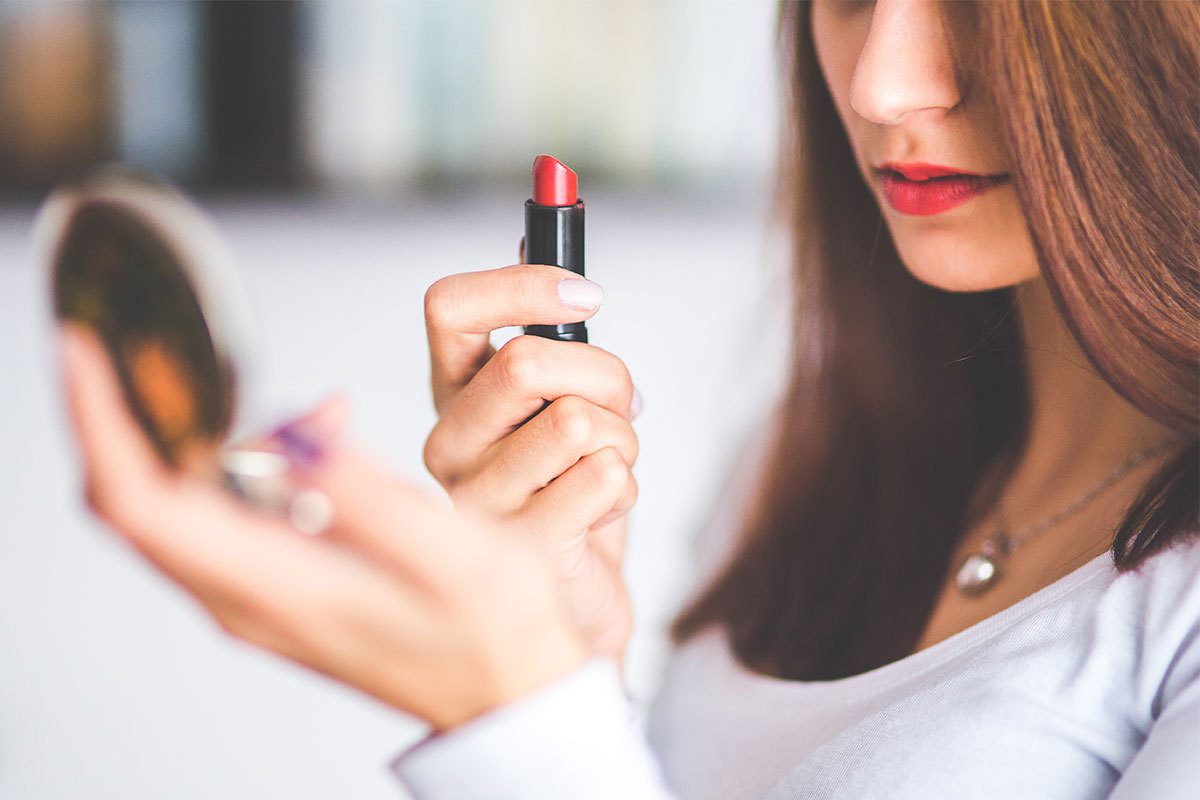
923,189
554,233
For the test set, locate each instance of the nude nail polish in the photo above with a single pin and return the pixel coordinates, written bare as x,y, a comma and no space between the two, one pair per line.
580,293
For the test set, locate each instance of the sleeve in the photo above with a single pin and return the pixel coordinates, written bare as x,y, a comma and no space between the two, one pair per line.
1167,766
578,737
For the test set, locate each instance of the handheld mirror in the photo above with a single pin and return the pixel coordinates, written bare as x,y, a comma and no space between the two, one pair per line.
136,261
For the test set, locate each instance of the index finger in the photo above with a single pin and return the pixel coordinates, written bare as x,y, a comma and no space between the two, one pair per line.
462,310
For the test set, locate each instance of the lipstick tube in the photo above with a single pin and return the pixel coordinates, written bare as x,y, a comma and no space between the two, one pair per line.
554,233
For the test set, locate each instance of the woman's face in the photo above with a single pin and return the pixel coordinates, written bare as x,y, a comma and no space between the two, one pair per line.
890,71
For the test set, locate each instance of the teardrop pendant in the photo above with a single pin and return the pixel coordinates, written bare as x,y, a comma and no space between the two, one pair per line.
976,574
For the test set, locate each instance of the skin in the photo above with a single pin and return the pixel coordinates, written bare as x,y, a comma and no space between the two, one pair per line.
440,612
537,476
444,613
375,601
892,77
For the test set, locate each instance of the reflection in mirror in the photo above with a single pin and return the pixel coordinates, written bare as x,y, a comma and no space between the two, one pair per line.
134,260
115,274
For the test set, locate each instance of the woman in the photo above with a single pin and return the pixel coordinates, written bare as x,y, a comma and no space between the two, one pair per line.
966,560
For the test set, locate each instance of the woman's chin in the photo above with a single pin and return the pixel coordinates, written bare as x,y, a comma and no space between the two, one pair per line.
958,269
978,246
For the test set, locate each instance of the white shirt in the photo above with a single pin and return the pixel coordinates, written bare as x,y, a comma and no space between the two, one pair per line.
1087,687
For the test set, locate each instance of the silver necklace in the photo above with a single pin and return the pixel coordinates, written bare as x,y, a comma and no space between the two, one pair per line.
981,569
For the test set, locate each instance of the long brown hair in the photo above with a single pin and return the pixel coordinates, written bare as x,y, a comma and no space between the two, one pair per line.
907,406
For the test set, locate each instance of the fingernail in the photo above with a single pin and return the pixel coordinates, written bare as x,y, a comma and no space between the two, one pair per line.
580,293
298,446
635,405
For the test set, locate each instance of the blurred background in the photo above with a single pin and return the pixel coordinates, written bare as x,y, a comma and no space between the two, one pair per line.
385,97
352,153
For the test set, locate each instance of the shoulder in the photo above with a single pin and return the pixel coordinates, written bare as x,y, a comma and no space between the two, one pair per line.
1159,601
1166,588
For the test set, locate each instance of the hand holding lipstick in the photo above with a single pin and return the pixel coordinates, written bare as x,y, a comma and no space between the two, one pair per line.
563,476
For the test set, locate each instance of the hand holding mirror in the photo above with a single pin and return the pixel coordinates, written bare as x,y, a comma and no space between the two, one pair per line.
135,260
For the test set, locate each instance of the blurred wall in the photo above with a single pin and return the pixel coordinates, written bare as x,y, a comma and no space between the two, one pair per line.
385,97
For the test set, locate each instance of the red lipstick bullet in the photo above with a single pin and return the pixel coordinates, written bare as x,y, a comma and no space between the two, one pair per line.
554,233
554,183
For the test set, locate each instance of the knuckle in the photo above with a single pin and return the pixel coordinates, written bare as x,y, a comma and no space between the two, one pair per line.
438,301
620,374
624,376
610,468
523,346
434,455
634,444
519,363
572,421
631,492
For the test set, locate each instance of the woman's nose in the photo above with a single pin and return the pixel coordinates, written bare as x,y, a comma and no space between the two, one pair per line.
905,65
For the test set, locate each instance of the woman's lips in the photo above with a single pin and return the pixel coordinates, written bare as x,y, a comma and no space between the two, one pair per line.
924,189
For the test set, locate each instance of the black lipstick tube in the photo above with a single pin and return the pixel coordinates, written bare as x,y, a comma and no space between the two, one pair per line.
554,235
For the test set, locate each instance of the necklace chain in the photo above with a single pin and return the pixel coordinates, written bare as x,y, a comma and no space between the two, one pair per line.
980,570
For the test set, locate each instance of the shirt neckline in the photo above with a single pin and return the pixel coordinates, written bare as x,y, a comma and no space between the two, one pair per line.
915,664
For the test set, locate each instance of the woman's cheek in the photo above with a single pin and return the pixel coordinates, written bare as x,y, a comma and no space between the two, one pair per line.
838,44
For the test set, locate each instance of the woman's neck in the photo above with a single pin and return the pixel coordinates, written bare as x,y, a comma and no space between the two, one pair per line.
1079,426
